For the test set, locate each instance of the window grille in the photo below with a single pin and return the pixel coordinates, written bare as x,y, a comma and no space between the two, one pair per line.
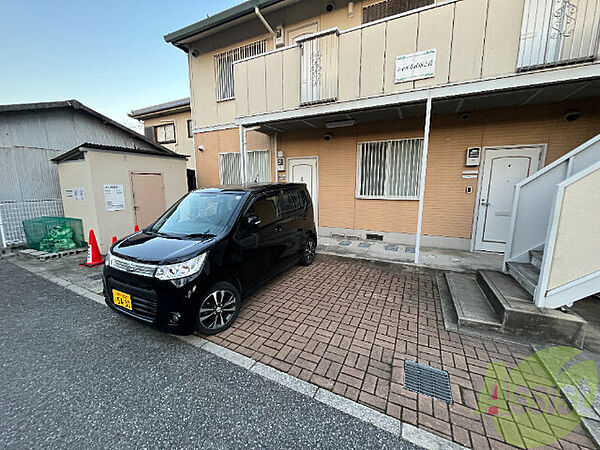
558,32
319,69
224,66
389,8
257,171
389,169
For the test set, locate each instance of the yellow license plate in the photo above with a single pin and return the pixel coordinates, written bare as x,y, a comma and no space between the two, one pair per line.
122,299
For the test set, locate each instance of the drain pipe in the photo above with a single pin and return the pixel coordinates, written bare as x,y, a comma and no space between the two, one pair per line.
275,159
264,21
244,151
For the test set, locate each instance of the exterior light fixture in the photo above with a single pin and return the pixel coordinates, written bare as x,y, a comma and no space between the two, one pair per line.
341,124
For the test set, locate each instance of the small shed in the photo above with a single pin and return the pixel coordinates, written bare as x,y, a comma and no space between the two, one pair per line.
112,189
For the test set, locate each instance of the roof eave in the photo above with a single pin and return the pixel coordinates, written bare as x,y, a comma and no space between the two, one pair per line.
243,9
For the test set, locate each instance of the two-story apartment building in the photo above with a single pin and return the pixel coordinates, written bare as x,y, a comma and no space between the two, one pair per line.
409,120
170,125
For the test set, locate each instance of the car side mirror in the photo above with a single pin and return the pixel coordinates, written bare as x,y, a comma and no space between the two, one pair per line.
252,221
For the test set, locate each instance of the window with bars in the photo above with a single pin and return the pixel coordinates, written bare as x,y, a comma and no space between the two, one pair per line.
389,169
389,8
258,170
165,134
189,128
224,66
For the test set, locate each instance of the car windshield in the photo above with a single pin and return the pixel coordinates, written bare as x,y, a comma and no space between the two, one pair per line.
199,214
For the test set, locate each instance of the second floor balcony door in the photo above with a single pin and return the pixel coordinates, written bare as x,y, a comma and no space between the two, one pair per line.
558,32
319,68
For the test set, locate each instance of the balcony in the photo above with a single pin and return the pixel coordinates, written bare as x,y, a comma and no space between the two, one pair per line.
556,32
448,42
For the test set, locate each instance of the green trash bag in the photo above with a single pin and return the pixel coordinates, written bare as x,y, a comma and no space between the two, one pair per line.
58,238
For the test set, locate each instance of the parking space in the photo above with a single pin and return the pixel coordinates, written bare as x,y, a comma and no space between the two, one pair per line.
349,326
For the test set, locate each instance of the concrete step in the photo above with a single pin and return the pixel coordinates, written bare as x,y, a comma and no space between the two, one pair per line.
536,257
519,315
473,309
526,274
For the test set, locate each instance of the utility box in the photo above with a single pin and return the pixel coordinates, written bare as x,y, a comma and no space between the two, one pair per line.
113,189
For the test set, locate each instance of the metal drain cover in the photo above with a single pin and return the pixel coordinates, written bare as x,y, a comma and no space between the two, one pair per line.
427,380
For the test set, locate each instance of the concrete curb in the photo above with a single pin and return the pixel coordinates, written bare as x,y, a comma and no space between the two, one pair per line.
377,419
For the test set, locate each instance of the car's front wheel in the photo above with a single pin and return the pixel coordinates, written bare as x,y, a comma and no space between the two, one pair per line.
310,249
218,308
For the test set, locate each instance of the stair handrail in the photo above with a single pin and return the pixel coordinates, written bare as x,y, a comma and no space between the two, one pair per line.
541,290
534,208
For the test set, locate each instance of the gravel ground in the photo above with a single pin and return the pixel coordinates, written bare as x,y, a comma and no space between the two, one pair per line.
76,375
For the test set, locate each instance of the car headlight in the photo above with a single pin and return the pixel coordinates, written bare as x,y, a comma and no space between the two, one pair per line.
182,269
107,259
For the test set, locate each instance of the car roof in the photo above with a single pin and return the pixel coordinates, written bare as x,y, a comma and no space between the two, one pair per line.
253,188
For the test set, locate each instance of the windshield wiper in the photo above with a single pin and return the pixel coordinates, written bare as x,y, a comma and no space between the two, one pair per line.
197,235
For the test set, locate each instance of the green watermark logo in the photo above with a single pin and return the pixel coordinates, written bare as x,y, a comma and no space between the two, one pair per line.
526,404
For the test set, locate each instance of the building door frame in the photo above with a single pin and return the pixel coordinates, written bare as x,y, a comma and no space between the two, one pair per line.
315,199
133,205
480,182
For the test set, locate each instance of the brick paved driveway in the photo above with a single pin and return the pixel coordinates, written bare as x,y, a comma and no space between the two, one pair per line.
348,327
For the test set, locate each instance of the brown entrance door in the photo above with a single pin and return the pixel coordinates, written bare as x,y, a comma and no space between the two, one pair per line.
148,197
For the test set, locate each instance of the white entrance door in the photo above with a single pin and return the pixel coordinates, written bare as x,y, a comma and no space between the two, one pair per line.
501,170
304,170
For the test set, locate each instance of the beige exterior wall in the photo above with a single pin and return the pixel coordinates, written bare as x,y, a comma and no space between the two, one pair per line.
474,39
448,210
577,239
78,174
103,167
225,141
184,144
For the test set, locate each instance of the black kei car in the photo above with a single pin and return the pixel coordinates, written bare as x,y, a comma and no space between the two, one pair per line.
192,267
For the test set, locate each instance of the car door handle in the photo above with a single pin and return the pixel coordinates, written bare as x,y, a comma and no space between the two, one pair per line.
277,228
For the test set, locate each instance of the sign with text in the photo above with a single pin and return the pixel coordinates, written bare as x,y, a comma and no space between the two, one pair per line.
114,197
415,66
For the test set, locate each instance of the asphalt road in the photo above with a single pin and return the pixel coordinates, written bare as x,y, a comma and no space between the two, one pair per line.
76,375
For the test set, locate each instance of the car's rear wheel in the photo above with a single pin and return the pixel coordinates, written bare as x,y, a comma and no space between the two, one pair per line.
309,252
218,308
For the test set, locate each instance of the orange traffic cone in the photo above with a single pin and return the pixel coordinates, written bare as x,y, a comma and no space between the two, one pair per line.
136,229
114,239
94,258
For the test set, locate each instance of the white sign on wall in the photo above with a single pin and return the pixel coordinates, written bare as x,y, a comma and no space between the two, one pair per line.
415,66
114,197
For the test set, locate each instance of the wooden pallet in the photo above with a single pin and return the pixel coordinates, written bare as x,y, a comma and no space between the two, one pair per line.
45,256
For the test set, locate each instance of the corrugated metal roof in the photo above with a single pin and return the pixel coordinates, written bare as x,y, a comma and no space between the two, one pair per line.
162,107
77,152
218,19
20,107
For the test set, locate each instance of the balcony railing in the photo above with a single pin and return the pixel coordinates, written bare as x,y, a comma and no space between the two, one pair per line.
558,32
319,67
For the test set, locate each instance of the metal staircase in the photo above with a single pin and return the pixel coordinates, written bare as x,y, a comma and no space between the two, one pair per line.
553,248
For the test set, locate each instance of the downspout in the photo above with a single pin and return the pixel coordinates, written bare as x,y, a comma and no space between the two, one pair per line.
422,176
275,149
242,158
264,21
244,151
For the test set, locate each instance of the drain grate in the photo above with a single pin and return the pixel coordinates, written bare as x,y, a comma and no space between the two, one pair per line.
391,248
345,243
427,380
364,245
